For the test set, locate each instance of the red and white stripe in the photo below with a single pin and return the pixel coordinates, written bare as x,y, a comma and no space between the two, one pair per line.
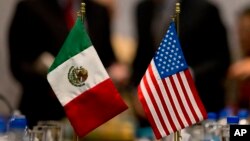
171,103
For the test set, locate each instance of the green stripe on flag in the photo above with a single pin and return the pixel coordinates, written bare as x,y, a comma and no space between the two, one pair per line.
77,41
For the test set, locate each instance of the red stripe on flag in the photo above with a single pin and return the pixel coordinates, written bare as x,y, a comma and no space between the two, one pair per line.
148,113
183,109
154,81
94,107
154,103
195,94
187,97
173,105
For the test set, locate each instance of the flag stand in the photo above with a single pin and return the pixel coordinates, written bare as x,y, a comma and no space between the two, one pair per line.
177,134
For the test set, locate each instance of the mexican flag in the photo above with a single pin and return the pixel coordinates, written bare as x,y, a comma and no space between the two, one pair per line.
82,85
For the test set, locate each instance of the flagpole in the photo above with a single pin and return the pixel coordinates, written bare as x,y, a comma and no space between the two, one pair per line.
177,134
80,14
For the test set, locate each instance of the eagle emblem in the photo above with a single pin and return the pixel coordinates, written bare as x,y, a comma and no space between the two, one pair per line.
77,76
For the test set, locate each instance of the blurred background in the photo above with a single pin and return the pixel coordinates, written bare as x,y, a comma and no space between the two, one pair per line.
214,35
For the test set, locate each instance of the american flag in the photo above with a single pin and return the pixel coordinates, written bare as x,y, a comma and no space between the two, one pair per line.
167,91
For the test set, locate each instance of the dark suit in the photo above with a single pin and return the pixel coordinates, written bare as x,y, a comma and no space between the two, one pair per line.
205,46
204,43
39,26
98,21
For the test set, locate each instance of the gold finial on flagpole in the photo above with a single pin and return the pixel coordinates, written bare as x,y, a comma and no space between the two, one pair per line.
178,8
82,10
177,12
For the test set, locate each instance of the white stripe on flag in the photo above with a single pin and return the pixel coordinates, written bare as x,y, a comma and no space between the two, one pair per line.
158,102
183,98
191,96
152,109
176,102
166,98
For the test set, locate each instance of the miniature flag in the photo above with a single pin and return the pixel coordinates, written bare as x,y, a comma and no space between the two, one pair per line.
82,85
167,91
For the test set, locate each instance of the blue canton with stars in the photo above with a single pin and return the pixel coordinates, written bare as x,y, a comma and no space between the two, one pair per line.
169,58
